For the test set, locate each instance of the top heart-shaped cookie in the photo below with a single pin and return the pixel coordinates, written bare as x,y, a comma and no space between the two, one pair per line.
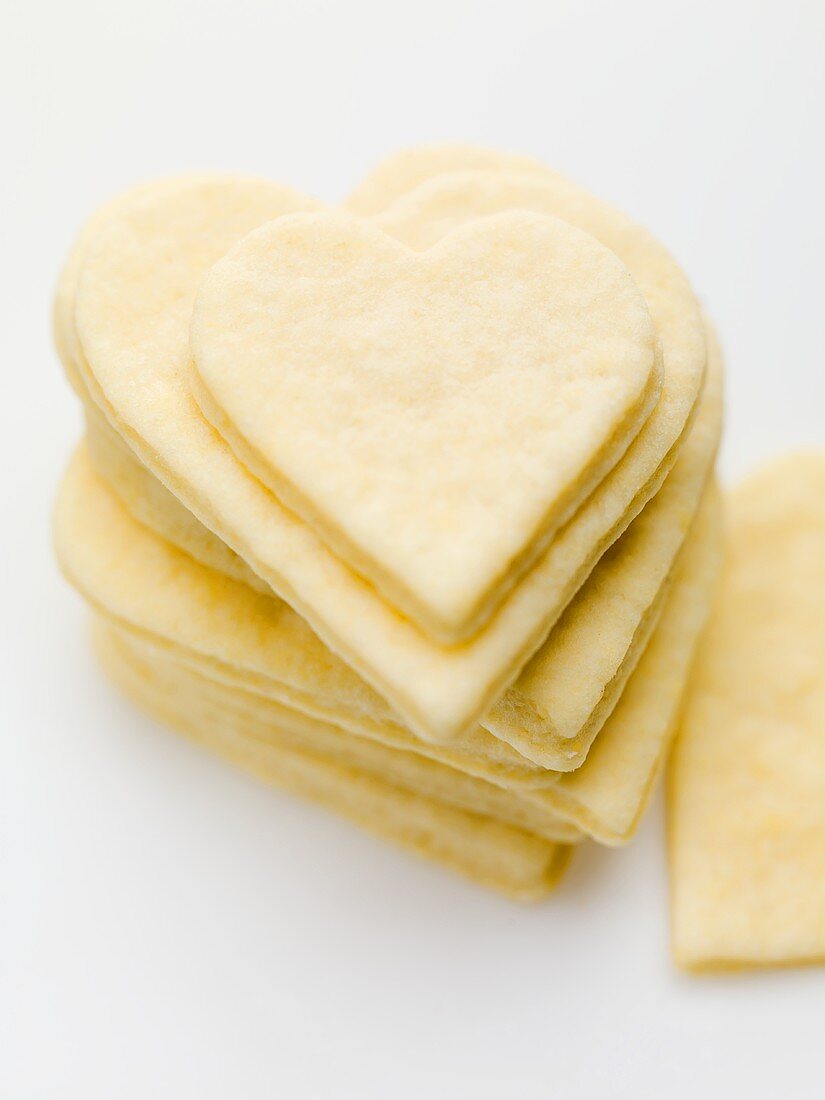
434,416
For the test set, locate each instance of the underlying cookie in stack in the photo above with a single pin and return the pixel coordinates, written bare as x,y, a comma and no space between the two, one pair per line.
223,631
400,343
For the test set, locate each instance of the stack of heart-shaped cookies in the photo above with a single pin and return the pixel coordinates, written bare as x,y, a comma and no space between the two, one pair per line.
407,505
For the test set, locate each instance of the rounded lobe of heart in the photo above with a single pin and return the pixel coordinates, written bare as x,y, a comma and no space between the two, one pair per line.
446,201
424,193
431,415
63,330
406,169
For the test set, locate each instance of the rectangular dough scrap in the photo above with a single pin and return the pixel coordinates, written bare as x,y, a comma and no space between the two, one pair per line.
746,804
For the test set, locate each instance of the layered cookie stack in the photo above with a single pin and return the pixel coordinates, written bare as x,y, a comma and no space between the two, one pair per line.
406,506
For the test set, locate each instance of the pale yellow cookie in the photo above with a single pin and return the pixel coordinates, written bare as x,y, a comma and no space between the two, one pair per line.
746,805
439,690
517,863
205,699
434,415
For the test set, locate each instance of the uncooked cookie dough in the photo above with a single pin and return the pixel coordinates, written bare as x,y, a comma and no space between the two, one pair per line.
407,507
746,788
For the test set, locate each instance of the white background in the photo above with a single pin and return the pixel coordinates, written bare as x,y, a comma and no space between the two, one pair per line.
168,929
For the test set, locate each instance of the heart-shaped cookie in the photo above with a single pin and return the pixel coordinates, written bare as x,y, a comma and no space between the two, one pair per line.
434,416
134,358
